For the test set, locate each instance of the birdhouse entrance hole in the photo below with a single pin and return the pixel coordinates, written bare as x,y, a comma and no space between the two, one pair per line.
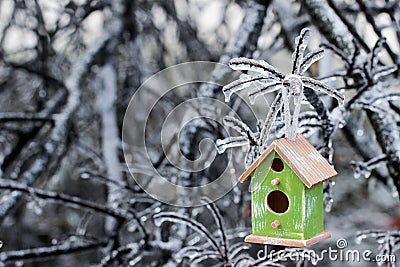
277,165
277,201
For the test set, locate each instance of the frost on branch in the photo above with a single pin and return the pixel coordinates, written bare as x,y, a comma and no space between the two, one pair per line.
268,79
215,248
389,244
248,137
365,168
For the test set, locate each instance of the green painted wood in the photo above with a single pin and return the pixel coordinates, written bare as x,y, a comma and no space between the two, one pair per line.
260,174
304,217
314,211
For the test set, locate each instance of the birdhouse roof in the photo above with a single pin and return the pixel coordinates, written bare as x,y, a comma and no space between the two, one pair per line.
301,156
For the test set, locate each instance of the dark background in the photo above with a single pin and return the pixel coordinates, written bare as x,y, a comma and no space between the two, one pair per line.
68,70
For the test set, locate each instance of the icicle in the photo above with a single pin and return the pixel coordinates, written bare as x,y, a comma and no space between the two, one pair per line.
293,87
295,117
393,188
357,171
286,111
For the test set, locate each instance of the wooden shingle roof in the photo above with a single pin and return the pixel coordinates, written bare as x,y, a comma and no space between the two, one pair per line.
301,156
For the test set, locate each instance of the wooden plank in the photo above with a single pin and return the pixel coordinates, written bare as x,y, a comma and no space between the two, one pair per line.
266,240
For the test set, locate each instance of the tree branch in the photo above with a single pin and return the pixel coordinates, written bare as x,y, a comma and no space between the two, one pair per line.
64,199
41,252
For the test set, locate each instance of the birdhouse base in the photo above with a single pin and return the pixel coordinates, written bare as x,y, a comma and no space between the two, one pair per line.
287,242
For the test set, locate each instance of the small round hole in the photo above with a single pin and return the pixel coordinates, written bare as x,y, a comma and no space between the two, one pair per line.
277,201
277,165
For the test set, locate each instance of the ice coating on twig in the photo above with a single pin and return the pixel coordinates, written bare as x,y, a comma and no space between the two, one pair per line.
239,84
311,58
259,66
300,46
229,142
268,88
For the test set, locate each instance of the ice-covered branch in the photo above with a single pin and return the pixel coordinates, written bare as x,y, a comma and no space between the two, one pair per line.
365,168
389,243
64,199
55,250
24,117
111,141
220,225
196,226
130,250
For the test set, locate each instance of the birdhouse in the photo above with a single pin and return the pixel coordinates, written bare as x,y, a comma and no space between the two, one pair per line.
287,194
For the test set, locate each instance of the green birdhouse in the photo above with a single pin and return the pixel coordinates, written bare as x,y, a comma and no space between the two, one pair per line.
287,194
